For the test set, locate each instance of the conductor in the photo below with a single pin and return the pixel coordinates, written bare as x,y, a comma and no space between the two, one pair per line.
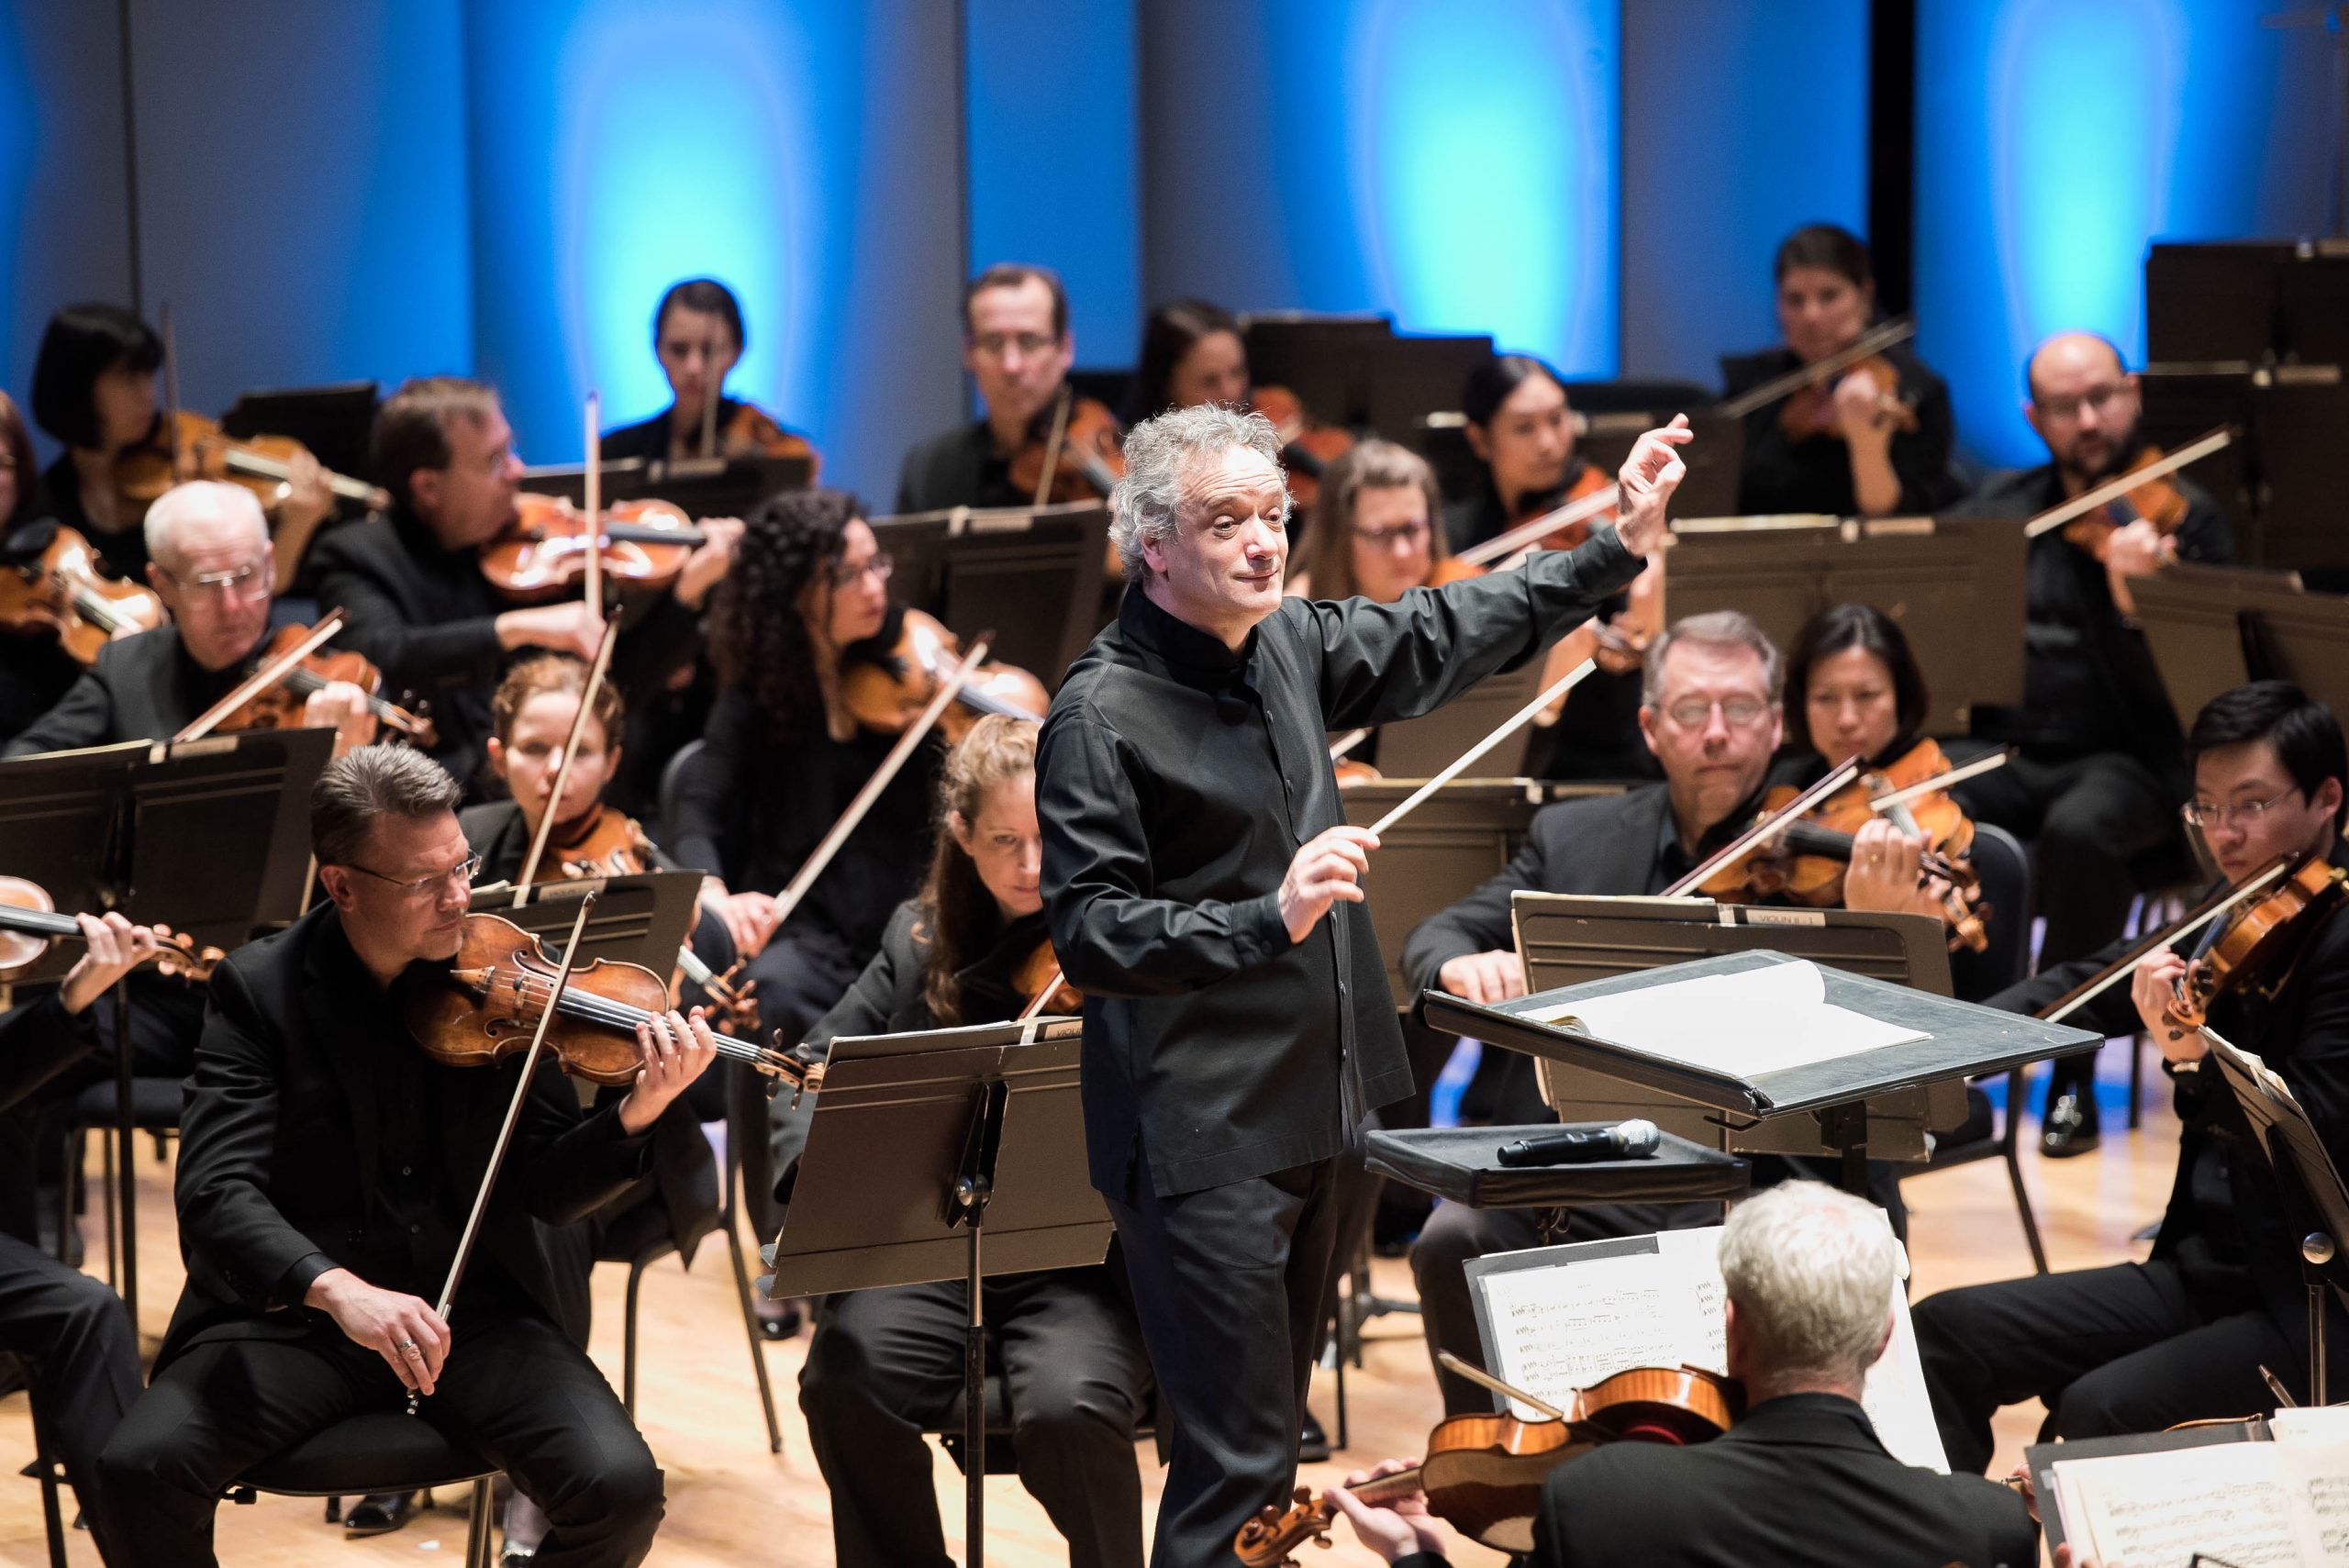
1235,1039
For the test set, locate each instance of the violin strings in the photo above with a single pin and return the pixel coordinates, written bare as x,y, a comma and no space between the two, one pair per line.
622,1015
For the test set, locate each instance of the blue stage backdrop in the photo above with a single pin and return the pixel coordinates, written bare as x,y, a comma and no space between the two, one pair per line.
1454,165
2057,139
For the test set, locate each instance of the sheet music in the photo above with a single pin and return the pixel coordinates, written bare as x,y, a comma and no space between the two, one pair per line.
2157,1510
2322,1426
1568,1325
1745,1024
2316,1482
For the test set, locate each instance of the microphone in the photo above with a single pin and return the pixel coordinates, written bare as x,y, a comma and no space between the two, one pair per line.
1634,1140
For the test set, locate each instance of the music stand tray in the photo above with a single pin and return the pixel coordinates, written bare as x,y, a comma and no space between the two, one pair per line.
1462,1165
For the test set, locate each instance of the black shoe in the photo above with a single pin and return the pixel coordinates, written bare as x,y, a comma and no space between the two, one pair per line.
777,1319
2069,1128
1312,1442
379,1513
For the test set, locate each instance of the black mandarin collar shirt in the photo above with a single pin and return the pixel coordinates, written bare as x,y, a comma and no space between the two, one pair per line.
1176,781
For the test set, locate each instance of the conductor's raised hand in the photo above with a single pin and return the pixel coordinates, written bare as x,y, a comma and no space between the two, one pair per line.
673,1050
1647,480
1327,870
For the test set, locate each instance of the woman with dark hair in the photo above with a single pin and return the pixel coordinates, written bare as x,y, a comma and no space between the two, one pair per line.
37,671
94,392
1521,428
884,1364
697,333
782,757
1851,445
1191,354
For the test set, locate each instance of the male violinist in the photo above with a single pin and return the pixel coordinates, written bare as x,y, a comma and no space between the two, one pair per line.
1203,892
1712,715
326,1168
410,582
1017,346
1800,1480
2139,1346
2096,775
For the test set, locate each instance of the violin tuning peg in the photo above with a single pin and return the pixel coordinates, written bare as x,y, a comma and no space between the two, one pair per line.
1302,1496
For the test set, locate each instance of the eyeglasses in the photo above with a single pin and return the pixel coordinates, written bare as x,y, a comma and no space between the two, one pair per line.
2099,398
459,874
879,564
243,585
994,345
2245,814
1401,533
1737,712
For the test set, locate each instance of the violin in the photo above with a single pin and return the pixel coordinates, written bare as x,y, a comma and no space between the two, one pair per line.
1039,980
63,592
1483,1474
279,705
29,924
1307,446
1809,411
2157,501
889,692
1590,482
2237,953
185,446
543,554
749,431
499,987
1086,451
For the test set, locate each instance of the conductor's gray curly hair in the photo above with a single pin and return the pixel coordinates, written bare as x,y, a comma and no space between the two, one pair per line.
1159,453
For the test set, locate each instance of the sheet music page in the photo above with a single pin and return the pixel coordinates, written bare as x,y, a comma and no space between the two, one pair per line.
2322,1426
1747,1024
1559,1332
2156,1510
2316,1479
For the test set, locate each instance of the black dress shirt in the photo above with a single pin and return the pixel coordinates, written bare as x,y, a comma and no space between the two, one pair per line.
1781,474
34,668
2089,684
960,468
1176,781
143,687
649,439
124,550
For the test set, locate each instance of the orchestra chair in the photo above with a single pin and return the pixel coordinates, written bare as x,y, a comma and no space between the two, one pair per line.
49,1472
665,796
2004,868
383,1450
155,1109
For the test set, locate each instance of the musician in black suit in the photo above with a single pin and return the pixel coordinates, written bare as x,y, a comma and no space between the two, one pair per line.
1712,716
410,582
1800,1480
1018,347
326,1167
2140,1347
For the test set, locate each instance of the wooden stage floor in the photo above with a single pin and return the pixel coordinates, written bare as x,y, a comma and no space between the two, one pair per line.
730,1502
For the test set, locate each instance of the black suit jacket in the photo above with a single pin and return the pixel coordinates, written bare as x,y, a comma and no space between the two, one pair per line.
143,687
1800,1483
958,468
279,1143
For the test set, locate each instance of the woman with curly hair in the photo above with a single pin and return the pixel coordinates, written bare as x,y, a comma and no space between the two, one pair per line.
782,757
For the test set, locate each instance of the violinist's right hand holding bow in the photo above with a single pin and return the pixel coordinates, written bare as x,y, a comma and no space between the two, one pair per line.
1647,479
1394,1530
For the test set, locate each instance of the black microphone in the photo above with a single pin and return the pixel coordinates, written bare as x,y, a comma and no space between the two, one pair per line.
1634,1140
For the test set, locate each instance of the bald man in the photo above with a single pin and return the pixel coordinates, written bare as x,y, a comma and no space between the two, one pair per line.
2097,781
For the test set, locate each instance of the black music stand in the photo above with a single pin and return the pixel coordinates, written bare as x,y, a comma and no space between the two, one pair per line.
333,421
2304,1173
982,1133
1955,585
704,487
1031,575
1824,1106
2041,1459
210,836
639,919
1462,1165
2200,623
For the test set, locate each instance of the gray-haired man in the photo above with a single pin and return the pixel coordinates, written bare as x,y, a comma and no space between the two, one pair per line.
1194,842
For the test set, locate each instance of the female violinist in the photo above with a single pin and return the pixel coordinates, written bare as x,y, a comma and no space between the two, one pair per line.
1381,529
1870,441
38,670
698,334
1191,354
885,1363
1521,428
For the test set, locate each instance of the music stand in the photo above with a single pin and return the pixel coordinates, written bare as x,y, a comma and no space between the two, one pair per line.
639,919
2199,626
1325,360
1030,575
1955,585
703,487
2304,1173
1776,1111
982,1133
333,421
1716,459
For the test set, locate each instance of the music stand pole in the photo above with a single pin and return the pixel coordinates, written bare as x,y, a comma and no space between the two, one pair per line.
2316,1251
124,1219
966,1205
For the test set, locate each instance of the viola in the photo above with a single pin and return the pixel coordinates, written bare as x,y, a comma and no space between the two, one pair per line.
1590,482
543,552
1037,978
1810,412
1307,446
1087,459
2239,953
499,987
2157,501
63,593
1483,1474
29,925
888,692
185,446
749,432
280,706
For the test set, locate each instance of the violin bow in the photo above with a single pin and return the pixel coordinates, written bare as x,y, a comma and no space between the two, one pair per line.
563,768
2064,1007
513,1114
593,493
260,681
1867,346
1737,848
837,835
1052,445
171,390
1939,782
1411,802
1482,1379
710,395
1525,534
2087,500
